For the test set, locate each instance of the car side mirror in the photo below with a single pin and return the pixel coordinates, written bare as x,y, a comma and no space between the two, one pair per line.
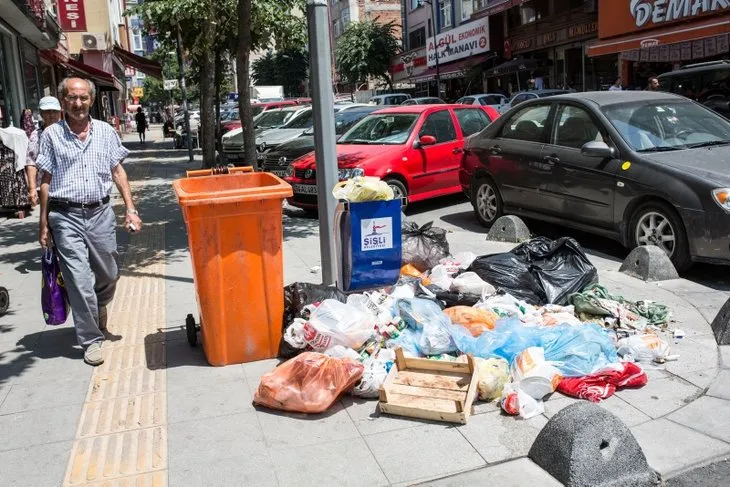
424,140
598,149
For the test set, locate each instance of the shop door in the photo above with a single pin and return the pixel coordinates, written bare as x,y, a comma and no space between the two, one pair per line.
574,67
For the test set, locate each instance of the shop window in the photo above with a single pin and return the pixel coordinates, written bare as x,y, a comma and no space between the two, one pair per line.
439,125
575,128
472,121
528,124
417,38
445,13
467,8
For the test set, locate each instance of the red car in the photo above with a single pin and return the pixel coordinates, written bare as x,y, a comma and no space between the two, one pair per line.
417,149
257,109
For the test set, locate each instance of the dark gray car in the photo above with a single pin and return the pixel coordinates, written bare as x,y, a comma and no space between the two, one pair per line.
644,168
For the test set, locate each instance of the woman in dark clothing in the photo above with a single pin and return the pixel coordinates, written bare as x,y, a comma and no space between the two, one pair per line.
141,124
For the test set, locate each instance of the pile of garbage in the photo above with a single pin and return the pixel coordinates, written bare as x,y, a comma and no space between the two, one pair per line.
535,319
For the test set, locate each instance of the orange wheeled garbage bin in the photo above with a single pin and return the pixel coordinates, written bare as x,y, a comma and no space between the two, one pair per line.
234,224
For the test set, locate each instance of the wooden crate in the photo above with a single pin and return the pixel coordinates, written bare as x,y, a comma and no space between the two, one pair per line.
430,389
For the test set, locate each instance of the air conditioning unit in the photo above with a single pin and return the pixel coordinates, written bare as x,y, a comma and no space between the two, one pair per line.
93,42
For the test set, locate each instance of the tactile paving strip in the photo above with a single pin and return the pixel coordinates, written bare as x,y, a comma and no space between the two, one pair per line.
121,438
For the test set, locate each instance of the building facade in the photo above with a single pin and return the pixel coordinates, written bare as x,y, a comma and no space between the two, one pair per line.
27,27
653,37
343,12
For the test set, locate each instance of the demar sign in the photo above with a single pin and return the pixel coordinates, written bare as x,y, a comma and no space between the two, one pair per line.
71,15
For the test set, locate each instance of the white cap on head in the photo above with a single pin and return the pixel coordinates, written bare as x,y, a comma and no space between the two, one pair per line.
49,103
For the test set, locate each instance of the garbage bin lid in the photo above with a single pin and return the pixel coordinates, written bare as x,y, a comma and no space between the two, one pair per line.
230,188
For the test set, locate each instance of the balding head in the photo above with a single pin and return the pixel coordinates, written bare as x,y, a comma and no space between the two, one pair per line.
77,95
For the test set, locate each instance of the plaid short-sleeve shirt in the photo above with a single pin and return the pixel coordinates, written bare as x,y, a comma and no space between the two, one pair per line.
81,171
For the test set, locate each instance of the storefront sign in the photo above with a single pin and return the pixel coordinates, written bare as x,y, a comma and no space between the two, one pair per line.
582,29
464,41
555,37
71,15
618,17
408,64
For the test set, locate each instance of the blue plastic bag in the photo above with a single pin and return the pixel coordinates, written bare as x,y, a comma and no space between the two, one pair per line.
576,350
432,326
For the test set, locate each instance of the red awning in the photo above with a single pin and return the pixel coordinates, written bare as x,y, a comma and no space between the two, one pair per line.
147,66
451,70
99,77
660,37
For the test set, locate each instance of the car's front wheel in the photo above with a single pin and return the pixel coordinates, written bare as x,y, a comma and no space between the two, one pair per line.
399,192
486,201
656,223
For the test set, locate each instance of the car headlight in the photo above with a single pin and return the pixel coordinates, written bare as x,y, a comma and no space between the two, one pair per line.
262,146
289,172
722,198
350,173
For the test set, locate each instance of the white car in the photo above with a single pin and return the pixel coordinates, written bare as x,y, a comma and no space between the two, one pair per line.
495,100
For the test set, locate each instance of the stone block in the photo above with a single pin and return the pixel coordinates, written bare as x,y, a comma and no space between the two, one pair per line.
585,445
721,325
509,228
649,263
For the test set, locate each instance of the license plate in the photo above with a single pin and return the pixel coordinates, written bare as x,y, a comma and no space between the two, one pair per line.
276,172
261,156
305,188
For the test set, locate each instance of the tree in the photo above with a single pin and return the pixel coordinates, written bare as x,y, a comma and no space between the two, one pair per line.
286,67
261,24
364,50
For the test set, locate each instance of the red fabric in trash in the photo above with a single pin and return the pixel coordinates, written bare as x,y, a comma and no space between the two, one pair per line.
601,385
309,383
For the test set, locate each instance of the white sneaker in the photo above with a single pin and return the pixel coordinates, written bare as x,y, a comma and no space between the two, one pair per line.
92,355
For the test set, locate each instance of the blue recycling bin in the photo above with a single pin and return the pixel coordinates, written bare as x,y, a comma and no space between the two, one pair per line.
368,237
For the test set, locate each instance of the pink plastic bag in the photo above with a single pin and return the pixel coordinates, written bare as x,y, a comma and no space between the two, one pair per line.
308,383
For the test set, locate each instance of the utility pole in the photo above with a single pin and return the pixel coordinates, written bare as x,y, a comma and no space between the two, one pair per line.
324,133
184,91
434,23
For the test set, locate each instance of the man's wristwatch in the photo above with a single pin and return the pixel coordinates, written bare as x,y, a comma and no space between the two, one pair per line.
132,211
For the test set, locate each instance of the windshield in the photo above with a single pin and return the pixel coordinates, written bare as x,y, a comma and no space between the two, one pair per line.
273,118
257,109
391,129
343,120
302,121
667,125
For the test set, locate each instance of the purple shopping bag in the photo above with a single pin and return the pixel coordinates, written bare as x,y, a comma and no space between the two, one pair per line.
54,300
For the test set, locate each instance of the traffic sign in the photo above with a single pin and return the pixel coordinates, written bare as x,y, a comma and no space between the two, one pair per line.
170,84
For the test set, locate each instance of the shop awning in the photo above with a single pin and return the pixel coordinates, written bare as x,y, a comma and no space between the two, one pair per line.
660,37
457,69
514,66
147,66
99,77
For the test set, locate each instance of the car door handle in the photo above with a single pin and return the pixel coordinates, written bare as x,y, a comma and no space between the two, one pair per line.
495,149
457,150
551,159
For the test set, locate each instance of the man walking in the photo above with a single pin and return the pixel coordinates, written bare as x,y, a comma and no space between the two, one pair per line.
80,157
50,113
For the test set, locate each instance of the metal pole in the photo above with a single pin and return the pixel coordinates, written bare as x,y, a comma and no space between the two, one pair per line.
184,91
324,133
436,23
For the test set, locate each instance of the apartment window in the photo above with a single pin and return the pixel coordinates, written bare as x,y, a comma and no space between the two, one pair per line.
415,4
417,38
137,40
345,17
482,4
336,28
467,8
445,13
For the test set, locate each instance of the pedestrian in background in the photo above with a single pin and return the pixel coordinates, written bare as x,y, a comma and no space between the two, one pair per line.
80,158
617,86
50,110
652,84
141,123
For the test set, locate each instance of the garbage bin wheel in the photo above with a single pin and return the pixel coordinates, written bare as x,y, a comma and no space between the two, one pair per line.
192,330
4,300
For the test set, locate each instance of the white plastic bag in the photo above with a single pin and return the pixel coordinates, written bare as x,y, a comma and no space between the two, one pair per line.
536,376
440,276
493,375
515,402
294,334
372,378
335,323
379,306
471,283
338,351
644,348
506,305
363,188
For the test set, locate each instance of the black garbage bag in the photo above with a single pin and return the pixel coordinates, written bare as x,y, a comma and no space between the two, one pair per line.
423,247
449,299
540,271
296,297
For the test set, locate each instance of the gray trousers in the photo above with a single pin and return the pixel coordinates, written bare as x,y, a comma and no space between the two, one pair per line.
86,242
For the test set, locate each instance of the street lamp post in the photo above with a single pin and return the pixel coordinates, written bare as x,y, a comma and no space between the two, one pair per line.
435,43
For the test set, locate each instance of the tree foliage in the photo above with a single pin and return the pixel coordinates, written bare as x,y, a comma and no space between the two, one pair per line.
286,67
364,50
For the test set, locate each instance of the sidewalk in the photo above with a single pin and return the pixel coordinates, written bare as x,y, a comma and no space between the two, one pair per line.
156,414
